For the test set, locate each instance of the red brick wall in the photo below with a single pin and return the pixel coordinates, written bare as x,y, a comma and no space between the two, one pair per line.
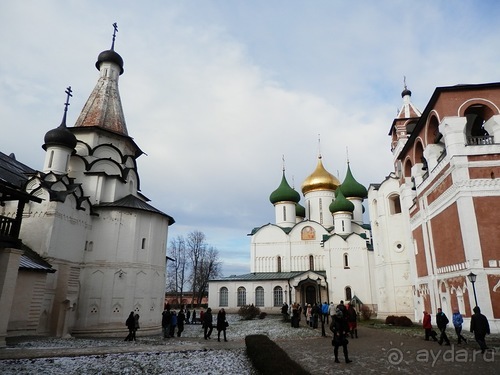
447,237
493,280
487,213
420,257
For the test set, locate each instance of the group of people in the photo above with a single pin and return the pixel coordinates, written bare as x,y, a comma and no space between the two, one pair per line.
221,324
132,324
478,325
171,320
343,322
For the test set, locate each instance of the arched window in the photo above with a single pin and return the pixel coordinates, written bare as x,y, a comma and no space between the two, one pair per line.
223,297
284,213
394,204
242,296
348,293
51,159
278,296
311,262
346,260
259,296
279,264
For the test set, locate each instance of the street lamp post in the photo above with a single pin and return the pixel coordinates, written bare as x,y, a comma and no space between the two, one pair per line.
472,278
318,281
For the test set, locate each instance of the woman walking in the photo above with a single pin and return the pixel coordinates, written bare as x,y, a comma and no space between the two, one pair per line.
221,324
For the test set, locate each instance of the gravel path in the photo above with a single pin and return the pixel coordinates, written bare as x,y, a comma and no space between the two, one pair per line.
376,351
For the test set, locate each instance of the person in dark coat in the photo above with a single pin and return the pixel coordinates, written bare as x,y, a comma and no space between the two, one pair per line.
188,315
221,324
441,322
181,317
173,323
342,308
165,322
284,311
340,331
207,323
136,324
480,327
130,323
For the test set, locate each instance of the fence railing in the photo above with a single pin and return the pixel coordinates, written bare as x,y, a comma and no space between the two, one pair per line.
480,140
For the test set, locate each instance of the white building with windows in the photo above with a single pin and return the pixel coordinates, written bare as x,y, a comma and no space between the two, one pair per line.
435,217
90,248
317,252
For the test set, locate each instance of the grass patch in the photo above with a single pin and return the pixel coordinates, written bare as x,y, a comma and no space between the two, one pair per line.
269,359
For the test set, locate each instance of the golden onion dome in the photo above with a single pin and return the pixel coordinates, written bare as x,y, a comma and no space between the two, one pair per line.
320,179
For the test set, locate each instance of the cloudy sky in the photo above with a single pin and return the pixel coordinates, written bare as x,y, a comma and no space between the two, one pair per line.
217,92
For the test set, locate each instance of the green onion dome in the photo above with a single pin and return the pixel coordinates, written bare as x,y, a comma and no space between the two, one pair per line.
352,188
300,211
284,193
341,203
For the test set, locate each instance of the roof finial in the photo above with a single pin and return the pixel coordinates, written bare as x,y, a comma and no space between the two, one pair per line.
283,161
319,146
404,82
68,95
115,30
347,153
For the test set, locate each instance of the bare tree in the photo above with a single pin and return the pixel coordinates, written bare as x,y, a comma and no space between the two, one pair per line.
195,247
176,274
209,267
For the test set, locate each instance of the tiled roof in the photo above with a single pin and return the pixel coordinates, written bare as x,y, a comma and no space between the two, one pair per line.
259,276
131,201
30,260
12,172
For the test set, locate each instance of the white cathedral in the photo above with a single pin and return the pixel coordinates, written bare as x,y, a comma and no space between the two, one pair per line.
321,251
80,246
432,238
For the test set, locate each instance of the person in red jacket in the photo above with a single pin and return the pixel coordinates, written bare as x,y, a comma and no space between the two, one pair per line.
426,324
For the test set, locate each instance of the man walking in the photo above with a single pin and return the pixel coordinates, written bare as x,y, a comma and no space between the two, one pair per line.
480,327
207,323
441,322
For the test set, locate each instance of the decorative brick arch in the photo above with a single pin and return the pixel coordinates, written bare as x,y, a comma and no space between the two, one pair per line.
484,107
407,167
418,151
432,134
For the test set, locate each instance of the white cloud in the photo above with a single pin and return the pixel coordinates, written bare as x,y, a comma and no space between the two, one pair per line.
216,92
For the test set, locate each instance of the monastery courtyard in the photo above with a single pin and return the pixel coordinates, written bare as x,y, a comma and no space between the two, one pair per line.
378,350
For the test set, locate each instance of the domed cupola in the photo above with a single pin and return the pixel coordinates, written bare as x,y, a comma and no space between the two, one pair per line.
284,193
351,188
320,179
300,211
59,136
110,55
341,204
59,144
